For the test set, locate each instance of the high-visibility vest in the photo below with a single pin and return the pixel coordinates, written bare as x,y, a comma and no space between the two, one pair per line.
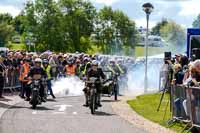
120,69
24,73
111,69
70,70
48,71
85,68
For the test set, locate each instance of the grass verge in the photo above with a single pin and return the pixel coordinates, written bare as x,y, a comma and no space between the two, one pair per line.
17,46
140,51
146,106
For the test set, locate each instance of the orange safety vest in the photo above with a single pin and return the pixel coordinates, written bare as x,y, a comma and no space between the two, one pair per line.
70,70
26,69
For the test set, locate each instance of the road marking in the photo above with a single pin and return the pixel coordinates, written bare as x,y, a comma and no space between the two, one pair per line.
34,112
63,107
74,113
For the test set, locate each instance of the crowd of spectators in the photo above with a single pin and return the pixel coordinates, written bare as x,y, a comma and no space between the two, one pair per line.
15,65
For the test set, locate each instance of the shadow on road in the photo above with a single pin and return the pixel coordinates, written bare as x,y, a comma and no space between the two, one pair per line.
100,113
51,100
42,108
110,101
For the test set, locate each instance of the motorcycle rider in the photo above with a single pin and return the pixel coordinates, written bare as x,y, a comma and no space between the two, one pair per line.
48,70
38,72
96,72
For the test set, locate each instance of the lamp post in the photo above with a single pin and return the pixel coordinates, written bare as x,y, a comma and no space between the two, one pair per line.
148,8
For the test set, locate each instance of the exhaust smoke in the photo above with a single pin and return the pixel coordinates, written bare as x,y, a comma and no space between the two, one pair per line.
70,86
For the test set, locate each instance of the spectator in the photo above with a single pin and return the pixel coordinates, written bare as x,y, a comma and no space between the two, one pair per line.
2,72
178,74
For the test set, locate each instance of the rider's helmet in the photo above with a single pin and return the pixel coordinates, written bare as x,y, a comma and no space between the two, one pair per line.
45,61
112,62
95,63
70,61
38,60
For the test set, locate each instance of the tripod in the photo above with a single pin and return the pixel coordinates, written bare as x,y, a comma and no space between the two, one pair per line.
166,86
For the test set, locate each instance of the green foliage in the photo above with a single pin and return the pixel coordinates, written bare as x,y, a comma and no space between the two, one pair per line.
156,29
71,25
114,30
5,33
196,23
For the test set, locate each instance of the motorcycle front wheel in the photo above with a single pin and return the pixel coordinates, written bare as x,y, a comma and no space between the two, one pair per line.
92,103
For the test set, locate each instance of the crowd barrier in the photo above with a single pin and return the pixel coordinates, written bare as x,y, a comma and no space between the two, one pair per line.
12,82
185,103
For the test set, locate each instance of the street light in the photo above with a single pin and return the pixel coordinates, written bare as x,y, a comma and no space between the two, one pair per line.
148,8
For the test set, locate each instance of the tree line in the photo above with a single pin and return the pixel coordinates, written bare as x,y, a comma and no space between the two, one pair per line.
69,26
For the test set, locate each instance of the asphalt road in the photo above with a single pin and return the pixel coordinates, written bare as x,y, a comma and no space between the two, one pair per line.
65,115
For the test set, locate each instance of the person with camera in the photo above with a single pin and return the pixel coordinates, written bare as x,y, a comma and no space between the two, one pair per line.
96,72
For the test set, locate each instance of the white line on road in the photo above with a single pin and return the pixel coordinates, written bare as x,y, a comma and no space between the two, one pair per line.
34,112
63,107
74,113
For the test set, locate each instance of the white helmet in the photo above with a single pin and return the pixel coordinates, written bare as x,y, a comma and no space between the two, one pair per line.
38,60
95,63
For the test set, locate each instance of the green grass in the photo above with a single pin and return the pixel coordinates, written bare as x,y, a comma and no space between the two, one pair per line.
17,46
140,51
146,106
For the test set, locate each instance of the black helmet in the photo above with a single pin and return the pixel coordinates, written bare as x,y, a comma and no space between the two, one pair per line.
45,61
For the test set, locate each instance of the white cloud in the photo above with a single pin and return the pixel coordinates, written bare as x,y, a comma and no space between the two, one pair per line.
189,8
106,2
143,22
14,11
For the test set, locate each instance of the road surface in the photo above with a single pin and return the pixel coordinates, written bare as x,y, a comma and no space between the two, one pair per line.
64,115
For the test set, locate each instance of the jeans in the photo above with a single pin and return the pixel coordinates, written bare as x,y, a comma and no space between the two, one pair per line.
49,88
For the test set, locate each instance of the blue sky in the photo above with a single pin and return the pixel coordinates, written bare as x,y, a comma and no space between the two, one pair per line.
181,11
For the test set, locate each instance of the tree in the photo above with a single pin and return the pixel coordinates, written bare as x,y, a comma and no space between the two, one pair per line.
156,29
79,17
196,23
175,35
6,18
5,33
115,30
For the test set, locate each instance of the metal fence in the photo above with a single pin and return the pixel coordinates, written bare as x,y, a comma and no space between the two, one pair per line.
185,103
12,82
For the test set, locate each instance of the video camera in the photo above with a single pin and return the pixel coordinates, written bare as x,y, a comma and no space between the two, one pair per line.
168,57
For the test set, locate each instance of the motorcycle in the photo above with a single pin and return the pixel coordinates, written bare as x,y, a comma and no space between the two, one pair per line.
35,86
92,94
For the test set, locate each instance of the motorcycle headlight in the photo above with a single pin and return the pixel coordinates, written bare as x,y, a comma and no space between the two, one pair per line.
36,82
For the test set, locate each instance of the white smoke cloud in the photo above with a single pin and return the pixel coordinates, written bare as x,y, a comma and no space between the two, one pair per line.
71,86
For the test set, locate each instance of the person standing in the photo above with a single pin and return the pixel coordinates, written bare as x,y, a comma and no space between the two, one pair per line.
48,70
2,72
23,74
